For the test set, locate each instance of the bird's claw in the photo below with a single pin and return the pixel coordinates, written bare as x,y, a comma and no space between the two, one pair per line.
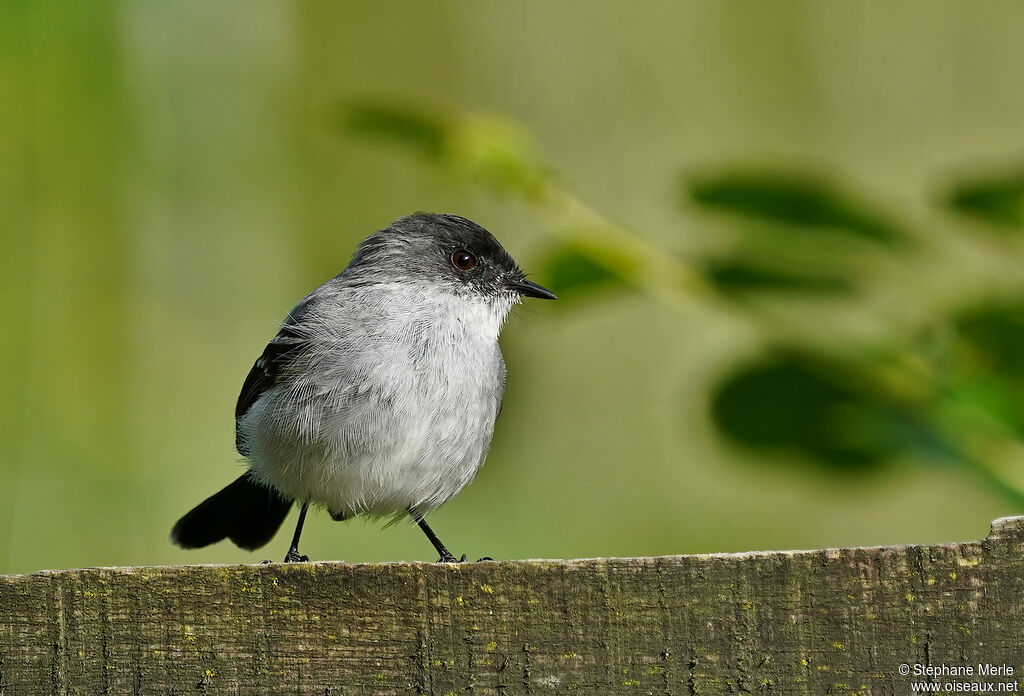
293,557
448,558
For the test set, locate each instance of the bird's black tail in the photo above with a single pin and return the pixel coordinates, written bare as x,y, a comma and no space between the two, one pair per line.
246,512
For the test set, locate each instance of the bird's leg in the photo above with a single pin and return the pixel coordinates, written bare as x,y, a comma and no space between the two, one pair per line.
293,551
446,555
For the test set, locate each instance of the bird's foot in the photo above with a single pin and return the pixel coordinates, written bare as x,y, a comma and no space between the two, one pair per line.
293,556
448,558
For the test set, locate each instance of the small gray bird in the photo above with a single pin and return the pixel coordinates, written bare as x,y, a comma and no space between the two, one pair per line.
378,396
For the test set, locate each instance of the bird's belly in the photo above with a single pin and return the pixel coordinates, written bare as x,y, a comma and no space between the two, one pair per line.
380,454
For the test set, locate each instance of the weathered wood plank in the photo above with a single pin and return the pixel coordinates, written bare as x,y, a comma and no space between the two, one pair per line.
814,622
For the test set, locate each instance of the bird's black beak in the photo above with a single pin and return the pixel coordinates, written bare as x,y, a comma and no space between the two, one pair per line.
528,289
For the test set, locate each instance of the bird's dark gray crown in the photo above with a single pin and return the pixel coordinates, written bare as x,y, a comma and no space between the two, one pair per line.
420,247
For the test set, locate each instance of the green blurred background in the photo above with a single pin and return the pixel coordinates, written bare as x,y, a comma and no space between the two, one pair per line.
787,236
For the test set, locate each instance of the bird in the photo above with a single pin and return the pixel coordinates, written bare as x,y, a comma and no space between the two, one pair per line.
379,394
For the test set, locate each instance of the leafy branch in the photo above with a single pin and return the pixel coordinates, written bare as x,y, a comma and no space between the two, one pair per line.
949,392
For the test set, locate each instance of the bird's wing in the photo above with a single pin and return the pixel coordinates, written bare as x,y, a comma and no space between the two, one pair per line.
283,350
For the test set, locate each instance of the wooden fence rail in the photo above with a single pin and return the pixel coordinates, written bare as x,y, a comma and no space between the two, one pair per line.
845,621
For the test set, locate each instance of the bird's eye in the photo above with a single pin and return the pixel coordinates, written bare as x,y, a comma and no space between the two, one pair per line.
463,260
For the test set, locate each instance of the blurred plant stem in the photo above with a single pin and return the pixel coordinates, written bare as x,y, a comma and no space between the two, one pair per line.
632,260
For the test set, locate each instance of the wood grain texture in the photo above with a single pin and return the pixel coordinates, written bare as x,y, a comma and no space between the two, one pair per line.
811,622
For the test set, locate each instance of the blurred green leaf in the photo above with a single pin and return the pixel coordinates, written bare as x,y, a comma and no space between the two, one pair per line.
997,200
820,408
499,153
489,150
797,200
412,126
571,274
735,276
995,331
984,367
